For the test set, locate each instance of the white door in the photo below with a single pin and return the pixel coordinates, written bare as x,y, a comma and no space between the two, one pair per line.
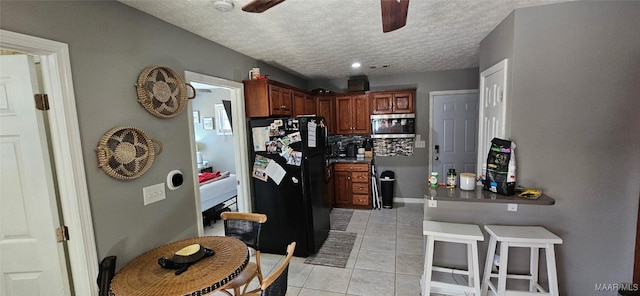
494,121
454,132
31,261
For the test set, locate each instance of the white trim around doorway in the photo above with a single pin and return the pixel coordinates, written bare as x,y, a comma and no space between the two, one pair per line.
239,141
67,154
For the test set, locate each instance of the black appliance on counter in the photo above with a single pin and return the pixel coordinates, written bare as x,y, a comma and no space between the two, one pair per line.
352,150
296,207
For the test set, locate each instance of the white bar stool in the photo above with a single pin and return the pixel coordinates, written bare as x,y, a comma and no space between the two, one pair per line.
468,234
534,237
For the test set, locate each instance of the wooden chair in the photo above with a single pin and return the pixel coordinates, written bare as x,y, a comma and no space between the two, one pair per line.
245,227
275,284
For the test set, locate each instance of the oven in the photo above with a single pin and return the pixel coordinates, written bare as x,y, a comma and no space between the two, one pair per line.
393,126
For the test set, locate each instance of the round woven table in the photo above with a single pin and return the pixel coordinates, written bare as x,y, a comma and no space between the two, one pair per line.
144,276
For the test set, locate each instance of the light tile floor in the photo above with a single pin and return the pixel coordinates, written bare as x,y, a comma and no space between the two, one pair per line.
386,259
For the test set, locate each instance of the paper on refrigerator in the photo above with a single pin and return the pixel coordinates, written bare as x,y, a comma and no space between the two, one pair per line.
275,171
311,128
260,137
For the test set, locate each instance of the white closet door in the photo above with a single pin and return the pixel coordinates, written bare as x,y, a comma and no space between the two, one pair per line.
493,110
32,262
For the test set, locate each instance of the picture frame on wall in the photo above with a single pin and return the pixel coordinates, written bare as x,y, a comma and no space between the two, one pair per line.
207,123
196,116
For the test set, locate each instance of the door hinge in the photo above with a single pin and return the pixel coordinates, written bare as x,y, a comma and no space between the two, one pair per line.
62,233
42,101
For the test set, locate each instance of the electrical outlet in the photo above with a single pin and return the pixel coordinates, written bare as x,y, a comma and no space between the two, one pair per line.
433,203
512,207
153,193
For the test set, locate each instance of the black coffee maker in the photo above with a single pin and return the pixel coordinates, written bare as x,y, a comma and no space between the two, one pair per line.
352,150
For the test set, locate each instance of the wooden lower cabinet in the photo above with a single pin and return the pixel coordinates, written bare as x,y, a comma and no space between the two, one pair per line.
352,185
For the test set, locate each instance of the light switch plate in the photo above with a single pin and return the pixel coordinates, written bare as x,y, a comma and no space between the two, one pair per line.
512,207
153,193
433,203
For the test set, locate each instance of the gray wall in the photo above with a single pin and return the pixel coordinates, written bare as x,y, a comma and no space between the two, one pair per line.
574,85
110,43
217,149
576,99
412,171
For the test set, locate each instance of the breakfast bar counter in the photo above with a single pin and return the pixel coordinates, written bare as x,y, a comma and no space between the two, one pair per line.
480,207
480,195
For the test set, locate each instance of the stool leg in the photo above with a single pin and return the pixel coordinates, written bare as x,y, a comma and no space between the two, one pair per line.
475,280
502,273
486,276
533,269
551,269
469,265
428,266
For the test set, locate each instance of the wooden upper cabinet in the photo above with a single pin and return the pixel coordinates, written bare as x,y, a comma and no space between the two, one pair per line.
303,104
343,114
352,114
325,108
310,104
381,103
280,100
265,98
388,102
298,103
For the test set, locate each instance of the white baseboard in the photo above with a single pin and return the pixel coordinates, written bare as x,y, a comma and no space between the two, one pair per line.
408,200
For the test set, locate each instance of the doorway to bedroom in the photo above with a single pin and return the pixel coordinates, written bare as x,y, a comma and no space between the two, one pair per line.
217,149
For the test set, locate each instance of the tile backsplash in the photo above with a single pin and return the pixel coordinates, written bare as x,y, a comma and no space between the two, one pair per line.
381,147
393,147
343,140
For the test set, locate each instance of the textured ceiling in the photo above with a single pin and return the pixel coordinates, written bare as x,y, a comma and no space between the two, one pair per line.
321,38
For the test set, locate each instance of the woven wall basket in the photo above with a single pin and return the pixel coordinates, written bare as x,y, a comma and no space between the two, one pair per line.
162,91
126,153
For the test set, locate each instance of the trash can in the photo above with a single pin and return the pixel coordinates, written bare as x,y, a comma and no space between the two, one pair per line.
386,188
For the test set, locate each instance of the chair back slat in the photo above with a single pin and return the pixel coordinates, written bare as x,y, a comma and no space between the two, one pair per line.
275,284
279,286
246,231
244,226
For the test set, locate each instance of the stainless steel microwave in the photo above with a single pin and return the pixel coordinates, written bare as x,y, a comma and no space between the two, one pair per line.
393,126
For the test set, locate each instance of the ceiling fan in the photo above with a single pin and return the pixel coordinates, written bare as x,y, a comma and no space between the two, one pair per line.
394,12
259,6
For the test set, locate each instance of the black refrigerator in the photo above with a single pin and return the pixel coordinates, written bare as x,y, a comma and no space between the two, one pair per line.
288,182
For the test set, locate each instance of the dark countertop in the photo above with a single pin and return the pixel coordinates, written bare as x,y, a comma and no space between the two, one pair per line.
479,195
367,160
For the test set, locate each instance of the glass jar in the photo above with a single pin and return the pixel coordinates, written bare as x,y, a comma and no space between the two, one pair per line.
433,179
451,178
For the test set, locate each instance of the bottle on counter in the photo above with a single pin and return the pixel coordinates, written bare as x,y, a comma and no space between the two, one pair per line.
433,180
451,178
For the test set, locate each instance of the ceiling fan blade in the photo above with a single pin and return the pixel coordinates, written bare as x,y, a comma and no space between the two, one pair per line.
394,14
258,6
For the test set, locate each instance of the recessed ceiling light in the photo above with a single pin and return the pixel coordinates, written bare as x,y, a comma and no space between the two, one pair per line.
355,65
